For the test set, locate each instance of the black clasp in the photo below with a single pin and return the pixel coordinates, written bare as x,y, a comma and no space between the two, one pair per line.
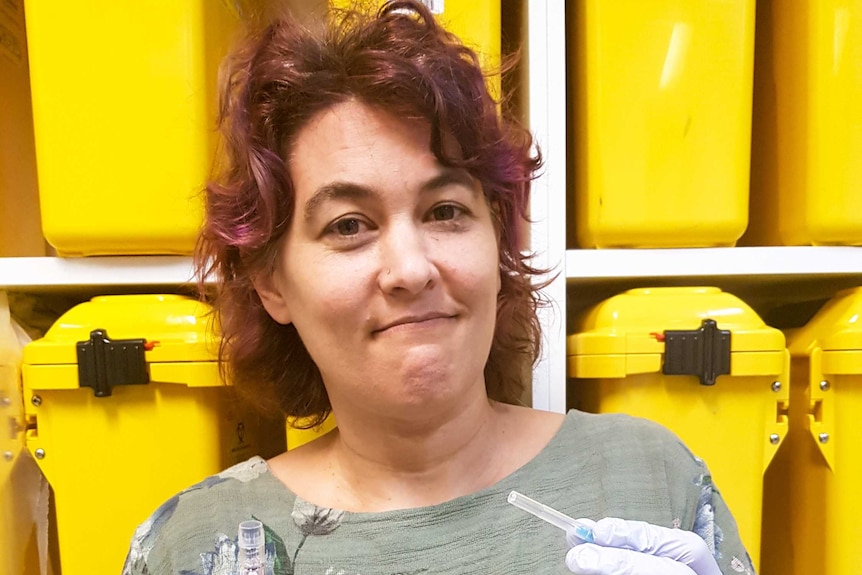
703,352
104,363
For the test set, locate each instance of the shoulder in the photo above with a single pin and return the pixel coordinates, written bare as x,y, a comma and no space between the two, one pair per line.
615,465
215,504
618,431
622,449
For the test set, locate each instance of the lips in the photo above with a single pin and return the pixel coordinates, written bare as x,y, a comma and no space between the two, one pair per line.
408,319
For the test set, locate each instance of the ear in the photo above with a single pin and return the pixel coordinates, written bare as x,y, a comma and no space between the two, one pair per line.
271,297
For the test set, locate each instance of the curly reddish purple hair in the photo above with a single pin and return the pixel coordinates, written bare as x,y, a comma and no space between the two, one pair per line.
402,61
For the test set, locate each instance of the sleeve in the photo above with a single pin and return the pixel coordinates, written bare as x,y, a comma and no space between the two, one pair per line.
144,539
136,560
715,524
188,533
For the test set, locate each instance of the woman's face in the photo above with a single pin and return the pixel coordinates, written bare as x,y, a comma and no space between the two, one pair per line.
389,270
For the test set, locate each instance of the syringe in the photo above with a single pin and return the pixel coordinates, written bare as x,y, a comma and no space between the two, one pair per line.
551,515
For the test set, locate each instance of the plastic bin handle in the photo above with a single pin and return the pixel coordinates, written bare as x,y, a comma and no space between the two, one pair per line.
104,363
704,352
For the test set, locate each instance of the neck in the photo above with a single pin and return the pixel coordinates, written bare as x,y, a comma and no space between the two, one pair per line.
391,463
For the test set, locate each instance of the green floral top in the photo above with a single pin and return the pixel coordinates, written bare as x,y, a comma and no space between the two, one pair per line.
595,466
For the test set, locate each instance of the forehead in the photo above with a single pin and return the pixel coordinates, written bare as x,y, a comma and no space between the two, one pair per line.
352,141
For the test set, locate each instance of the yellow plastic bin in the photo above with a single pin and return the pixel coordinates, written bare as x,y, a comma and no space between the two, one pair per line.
702,363
813,503
661,121
124,109
20,231
125,407
806,184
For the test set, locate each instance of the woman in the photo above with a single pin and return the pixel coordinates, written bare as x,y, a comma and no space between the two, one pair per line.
366,233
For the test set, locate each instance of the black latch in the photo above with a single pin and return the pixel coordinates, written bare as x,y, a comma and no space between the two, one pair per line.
703,352
104,363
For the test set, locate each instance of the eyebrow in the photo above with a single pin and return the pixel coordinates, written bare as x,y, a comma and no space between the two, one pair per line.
334,191
448,176
351,191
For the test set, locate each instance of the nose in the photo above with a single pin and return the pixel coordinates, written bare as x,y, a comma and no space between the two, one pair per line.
406,262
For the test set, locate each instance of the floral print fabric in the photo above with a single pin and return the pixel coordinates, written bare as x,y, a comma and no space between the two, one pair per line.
624,467
223,559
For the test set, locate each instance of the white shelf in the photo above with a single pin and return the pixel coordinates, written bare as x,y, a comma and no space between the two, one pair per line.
753,264
749,262
781,283
53,273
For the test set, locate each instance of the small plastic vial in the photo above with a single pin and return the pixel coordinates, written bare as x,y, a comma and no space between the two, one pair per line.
252,554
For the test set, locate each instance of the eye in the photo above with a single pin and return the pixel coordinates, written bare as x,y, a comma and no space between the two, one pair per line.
347,227
444,212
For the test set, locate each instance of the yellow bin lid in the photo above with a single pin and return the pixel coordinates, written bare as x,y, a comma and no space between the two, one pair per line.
135,338
688,330
837,326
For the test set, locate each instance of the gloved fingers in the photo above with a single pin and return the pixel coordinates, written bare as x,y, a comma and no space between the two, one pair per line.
576,536
592,559
679,545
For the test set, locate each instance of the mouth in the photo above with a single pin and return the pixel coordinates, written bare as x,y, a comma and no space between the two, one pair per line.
415,320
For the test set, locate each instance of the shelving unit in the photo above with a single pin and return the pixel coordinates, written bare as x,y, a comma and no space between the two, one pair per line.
767,278
784,285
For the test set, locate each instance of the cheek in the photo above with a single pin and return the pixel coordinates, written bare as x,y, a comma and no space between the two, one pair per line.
489,262
480,277
329,314
329,286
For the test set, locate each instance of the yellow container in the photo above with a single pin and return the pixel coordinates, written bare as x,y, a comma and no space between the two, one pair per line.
702,363
125,408
806,183
124,108
20,231
661,112
812,504
475,22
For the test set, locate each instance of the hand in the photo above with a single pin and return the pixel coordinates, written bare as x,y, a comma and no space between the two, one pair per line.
638,548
